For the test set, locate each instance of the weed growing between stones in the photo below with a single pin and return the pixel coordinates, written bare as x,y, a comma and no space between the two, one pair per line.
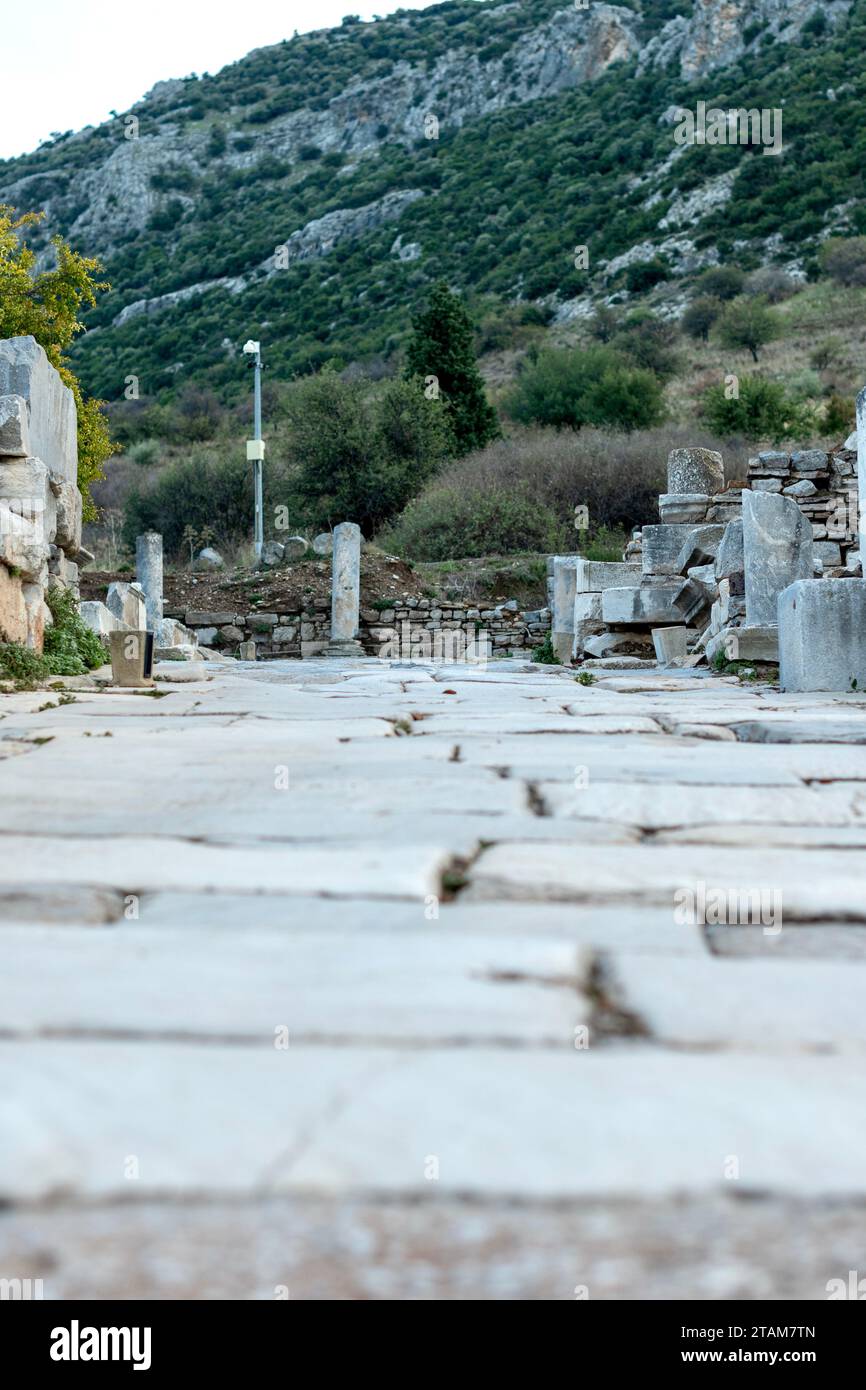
544,652
71,649
585,678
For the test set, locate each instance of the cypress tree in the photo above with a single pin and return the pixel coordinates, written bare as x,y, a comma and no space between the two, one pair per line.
442,347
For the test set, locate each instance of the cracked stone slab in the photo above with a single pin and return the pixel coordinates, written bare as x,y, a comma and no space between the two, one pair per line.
629,1121
745,1004
341,983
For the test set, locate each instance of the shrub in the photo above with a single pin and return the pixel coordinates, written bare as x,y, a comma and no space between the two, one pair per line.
145,454
22,665
839,415
747,324
648,341
71,648
201,490
844,259
827,353
567,389
450,521
762,410
700,316
772,283
361,455
720,282
642,275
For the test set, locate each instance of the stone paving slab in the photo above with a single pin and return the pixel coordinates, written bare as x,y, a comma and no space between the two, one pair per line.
534,1123
824,883
423,913
754,1004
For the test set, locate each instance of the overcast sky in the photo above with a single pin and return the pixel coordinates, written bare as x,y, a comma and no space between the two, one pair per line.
68,63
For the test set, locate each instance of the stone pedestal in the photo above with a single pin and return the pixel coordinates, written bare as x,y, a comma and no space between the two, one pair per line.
822,635
148,572
777,551
695,470
346,591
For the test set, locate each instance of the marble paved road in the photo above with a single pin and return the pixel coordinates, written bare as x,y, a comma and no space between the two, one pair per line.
358,980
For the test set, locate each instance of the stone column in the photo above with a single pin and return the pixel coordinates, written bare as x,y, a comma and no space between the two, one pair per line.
777,551
345,591
148,572
562,626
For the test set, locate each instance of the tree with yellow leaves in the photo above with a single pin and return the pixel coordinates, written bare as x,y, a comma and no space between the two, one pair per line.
46,304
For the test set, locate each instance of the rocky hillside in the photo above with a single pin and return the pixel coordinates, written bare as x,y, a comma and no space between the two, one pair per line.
308,193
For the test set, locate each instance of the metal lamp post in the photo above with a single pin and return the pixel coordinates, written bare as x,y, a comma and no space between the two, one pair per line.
256,445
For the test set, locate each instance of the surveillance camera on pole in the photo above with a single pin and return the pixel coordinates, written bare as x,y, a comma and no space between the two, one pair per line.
256,446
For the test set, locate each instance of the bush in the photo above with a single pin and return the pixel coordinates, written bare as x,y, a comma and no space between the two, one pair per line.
772,283
567,389
617,477
642,275
747,324
827,353
762,410
451,521
839,415
71,648
648,341
700,316
720,282
145,454
844,259
361,454
202,490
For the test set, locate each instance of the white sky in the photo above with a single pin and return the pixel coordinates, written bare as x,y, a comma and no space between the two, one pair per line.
69,63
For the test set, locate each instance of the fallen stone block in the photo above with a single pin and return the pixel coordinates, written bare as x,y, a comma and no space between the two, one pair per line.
51,417
649,604
661,547
23,546
822,635
683,507
670,644
748,643
701,547
203,618
729,559
828,552
14,428
607,643
25,490
594,576
100,619
695,470
777,551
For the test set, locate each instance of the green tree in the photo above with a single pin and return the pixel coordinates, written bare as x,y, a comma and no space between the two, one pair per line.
700,316
844,259
442,347
361,456
46,305
747,323
761,410
567,389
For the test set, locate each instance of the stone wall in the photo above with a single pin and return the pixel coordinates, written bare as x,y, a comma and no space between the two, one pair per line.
40,505
412,628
